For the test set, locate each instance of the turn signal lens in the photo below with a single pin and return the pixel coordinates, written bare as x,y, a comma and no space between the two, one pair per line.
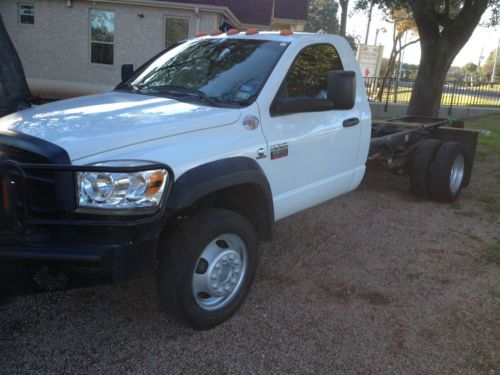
216,32
233,32
155,183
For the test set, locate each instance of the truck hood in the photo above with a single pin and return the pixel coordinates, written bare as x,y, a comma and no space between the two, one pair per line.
97,123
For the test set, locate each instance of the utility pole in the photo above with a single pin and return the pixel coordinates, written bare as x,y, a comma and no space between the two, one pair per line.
495,63
402,56
369,22
376,35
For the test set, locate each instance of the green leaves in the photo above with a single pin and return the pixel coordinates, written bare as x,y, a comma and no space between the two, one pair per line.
322,15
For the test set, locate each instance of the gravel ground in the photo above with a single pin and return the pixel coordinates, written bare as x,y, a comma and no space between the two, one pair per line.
372,282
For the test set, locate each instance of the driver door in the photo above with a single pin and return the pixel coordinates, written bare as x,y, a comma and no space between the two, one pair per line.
311,154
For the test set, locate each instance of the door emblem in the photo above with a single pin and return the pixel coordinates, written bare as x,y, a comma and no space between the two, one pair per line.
279,151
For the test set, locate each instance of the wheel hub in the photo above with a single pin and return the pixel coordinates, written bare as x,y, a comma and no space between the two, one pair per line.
219,272
457,173
224,273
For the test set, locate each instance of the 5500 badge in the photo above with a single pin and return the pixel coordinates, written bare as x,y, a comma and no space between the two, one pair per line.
279,151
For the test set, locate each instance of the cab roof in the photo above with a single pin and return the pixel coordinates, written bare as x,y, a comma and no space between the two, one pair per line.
274,36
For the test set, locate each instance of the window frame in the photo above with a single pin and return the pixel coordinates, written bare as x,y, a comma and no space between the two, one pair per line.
19,4
272,108
101,42
165,20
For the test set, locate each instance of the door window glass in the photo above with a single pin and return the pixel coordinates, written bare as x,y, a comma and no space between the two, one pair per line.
308,76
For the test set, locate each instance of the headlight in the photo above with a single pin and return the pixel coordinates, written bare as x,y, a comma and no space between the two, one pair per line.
117,190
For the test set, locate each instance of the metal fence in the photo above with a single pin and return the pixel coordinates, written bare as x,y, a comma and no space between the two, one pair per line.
455,93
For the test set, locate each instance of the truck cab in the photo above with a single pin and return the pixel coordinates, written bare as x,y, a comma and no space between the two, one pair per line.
183,169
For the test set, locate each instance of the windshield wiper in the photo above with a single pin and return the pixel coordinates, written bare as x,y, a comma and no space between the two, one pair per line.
181,90
128,86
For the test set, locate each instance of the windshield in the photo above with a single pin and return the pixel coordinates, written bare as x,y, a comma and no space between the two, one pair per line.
219,71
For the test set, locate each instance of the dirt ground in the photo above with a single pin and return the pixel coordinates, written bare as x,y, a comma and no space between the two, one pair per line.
373,282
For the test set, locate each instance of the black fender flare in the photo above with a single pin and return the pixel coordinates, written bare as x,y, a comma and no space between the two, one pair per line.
215,176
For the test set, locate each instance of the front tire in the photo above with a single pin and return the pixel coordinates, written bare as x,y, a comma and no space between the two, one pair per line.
206,267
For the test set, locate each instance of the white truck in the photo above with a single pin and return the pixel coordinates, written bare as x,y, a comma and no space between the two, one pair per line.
188,163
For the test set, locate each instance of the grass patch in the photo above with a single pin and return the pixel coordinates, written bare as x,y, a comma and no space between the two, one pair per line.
429,333
490,204
473,237
469,213
494,292
487,144
492,253
444,280
415,275
482,358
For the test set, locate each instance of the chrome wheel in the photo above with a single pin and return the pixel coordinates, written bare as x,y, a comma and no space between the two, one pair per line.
457,173
219,272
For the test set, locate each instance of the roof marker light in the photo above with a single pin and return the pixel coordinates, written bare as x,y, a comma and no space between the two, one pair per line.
233,31
286,32
201,33
216,32
252,31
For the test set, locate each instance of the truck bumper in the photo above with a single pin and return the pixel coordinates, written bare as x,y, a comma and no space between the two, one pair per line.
65,263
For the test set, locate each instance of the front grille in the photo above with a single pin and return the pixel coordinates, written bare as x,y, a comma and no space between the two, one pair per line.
38,185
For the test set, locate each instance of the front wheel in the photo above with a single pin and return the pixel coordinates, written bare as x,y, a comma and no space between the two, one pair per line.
207,267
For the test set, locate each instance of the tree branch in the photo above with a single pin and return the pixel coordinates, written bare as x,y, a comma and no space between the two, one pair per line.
410,43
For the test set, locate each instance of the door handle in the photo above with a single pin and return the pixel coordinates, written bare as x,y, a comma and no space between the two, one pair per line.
350,122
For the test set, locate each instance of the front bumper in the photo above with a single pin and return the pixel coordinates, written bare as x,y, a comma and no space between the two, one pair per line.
48,260
46,242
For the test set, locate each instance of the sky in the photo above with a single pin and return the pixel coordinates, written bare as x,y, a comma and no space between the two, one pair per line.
483,39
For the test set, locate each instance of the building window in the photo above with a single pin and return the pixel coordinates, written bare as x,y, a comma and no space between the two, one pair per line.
175,29
26,14
102,36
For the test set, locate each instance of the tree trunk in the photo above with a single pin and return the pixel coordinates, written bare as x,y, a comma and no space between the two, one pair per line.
441,39
344,5
435,61
12,78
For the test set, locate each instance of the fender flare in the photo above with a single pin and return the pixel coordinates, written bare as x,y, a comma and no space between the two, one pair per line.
217,175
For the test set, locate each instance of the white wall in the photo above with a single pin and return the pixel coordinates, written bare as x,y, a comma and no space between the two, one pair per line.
57,47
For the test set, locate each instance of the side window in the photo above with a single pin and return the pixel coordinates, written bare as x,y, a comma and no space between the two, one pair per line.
176,29
308,76
102,36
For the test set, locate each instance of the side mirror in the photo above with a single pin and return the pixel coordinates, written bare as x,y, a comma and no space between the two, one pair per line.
127,71
342,88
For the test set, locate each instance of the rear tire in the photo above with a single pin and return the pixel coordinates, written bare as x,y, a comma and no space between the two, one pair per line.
448,172
206,267
421,167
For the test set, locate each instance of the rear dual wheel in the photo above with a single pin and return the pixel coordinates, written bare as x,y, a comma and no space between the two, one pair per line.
438,170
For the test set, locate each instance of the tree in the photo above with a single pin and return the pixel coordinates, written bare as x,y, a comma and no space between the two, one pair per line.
487,67
444,26
15,88
322,16
344,4
470,67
